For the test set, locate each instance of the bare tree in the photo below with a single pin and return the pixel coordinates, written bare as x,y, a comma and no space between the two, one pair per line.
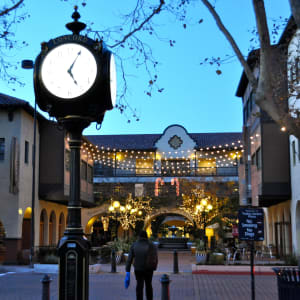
10,15
269,94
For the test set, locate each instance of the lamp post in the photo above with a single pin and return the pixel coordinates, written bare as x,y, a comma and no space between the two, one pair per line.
28,64
114,210
202,209
130,213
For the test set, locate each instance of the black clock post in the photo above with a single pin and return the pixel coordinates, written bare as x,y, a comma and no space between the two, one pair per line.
75,99
73,248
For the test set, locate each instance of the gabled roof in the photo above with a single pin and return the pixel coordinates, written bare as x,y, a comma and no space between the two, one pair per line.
9,102
147,141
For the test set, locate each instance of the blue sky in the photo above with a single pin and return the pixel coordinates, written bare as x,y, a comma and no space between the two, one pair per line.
194,95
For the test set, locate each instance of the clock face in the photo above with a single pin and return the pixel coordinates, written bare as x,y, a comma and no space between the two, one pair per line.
69,70
113,80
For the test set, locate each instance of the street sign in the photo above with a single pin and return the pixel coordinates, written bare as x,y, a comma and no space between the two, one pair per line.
251,224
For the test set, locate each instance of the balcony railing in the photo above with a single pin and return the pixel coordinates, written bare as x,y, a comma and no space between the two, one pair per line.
144,172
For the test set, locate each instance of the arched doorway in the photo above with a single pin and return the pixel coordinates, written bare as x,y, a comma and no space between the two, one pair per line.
168,212
26,229
61,226
162,226
43,228
52,229
98,230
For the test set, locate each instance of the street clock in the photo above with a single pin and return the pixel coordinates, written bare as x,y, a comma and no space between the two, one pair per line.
75,75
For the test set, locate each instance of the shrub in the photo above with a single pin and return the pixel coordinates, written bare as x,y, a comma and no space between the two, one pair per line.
290,260
105,254
47,255
216,259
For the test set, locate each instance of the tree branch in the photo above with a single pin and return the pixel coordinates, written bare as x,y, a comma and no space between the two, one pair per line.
233,44
154,12
7,10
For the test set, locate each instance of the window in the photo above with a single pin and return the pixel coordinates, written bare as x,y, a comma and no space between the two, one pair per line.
26,158
83,169
102,169
299,150
2,148
89,174
294,152
258,158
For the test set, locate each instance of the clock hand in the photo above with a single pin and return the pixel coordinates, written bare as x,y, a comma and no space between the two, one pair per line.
72,65
70,72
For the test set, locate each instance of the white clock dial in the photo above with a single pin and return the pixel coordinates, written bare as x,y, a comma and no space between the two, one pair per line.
69,70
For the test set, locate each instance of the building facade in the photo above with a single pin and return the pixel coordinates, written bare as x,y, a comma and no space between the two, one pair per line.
293,79
164,167
269,170
51,178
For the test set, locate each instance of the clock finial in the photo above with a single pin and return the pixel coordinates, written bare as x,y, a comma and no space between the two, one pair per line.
76,26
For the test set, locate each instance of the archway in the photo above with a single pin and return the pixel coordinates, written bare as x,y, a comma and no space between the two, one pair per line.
167,217
52,229
26,229
166,211
43,228
61,226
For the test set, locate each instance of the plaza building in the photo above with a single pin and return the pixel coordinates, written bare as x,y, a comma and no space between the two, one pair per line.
269,169
168,169
293,72
164,177
51,178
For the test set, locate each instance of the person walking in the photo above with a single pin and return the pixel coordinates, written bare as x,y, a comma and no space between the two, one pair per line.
143,254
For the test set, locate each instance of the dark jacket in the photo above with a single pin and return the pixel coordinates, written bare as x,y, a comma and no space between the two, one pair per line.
140,253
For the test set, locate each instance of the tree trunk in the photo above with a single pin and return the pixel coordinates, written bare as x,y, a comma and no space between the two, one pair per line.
295,8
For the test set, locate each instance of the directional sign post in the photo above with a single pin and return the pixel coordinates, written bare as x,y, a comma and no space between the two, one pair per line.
251,224
251,228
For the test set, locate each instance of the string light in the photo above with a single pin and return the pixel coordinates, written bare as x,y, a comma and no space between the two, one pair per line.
149,162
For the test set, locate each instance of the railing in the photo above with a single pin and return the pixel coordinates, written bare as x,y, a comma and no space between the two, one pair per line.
143,172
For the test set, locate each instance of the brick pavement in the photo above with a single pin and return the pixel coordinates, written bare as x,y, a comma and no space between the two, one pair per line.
183,286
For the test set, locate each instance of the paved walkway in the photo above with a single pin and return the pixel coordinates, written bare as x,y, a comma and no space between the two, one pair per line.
25,283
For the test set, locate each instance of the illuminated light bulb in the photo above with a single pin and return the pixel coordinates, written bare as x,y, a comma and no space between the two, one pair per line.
111,208
203,202
283,128
122,208
116,204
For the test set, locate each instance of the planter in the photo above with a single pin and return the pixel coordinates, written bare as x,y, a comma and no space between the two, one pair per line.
190,245
125,256
119,255
201,258
193,249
